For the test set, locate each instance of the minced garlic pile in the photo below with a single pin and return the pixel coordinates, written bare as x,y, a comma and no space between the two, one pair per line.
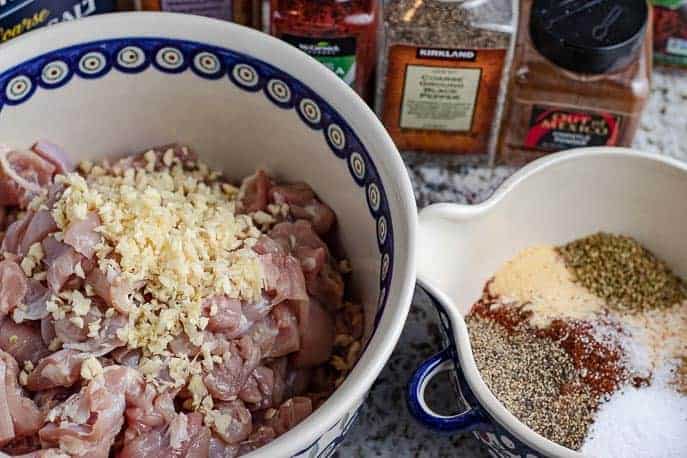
171,229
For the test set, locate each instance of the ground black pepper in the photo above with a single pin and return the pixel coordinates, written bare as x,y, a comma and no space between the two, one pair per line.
439,87
535,379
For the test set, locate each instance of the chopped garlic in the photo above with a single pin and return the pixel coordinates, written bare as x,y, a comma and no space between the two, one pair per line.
18,316
179,369
55,344
77,321
78,271
168,157
260,217
94,328
197,389
86,166
28,264
171,230
218,421
81,305
150,367
91,368
36,252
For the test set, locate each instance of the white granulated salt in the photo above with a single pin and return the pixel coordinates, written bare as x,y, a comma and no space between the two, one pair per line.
641,422
612,333
648,340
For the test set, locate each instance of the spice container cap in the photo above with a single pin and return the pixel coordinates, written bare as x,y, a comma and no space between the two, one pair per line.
587,36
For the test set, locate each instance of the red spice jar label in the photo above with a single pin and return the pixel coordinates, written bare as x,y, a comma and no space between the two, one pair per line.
555,129
442,100
670,32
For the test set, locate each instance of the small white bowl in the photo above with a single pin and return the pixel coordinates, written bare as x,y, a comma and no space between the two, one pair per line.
551,201
118,83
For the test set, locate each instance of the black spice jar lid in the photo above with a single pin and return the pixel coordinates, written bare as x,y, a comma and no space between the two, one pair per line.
589,36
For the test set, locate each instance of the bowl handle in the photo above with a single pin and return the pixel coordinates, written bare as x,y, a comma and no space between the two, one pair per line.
467,421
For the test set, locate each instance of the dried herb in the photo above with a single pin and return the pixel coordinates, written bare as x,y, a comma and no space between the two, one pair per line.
624,273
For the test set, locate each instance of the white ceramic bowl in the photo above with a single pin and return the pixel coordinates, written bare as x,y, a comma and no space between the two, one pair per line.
118,83
551,201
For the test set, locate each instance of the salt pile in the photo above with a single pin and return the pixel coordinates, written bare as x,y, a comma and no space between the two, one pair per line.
641,422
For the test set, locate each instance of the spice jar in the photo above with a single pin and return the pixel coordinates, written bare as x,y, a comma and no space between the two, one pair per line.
580,77
341,34
441,72
670,32
239,11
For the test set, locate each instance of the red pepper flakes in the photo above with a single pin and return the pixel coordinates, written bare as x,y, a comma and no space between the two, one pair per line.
342,34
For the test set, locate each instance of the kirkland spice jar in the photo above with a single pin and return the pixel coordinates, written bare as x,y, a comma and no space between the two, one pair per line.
670,32
441,73
341,34
19,16
580,77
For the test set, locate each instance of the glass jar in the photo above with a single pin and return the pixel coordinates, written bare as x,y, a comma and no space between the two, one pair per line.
441,76
670,32
341,34
580,77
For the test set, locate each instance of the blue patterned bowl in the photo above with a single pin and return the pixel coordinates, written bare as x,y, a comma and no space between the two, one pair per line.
118,83
551,201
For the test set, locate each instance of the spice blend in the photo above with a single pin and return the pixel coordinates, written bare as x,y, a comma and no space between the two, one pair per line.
441,72
570,375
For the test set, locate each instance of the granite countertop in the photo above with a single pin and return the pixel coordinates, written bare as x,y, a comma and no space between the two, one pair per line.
385,428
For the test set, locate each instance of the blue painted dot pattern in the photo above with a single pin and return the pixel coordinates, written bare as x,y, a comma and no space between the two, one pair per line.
310,111
92,63
18,88
207,63
279,91
245,75
373,197
131,57
357,165
54,73
169,58
336,136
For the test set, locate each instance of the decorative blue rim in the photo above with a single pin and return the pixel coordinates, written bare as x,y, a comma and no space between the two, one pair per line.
133,55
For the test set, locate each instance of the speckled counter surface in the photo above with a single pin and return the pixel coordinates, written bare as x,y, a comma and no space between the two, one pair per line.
385,428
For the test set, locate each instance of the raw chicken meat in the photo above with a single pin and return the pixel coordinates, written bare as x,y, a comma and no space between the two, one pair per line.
79,378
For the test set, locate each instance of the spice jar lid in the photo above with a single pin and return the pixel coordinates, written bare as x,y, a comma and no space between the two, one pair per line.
589,36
